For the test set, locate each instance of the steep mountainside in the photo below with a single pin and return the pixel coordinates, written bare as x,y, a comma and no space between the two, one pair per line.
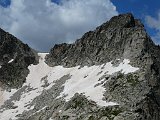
111,73
121,37
15,57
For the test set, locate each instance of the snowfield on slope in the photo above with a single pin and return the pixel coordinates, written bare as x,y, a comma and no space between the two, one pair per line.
83,80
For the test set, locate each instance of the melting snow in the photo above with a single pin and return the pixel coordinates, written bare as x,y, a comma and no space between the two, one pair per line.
80,84
5,95
33,80
82,81
11,60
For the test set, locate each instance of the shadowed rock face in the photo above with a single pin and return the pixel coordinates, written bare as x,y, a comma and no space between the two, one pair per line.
13,74
121,37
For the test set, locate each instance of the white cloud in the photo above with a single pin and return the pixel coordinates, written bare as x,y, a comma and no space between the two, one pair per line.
41,23
155,24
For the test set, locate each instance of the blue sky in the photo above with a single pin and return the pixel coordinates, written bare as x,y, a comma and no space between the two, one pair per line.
56,1
43,23
5,3
140,9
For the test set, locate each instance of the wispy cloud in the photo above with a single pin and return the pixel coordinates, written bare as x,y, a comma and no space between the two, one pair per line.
154,23
42,23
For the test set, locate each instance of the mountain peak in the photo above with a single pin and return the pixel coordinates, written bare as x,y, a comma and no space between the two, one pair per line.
122,36
122,20
113,73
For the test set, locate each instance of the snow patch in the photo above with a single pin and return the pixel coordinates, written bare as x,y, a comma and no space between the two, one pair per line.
33,80
80,84
82,80
11,60
5,95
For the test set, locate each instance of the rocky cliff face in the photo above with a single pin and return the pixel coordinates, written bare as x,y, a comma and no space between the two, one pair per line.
121,37
15,57
111,73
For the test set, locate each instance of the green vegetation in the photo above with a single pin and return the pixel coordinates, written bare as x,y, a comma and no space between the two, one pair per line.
132,79
78,103
91,118
111,113
65,117
120,76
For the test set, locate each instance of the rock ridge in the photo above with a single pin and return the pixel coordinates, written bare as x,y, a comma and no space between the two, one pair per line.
15,57
121,37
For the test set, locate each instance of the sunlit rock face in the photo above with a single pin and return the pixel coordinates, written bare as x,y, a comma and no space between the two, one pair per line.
121,37
111,73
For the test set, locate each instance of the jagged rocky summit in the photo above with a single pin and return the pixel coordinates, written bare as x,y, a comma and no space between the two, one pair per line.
117,38
111,73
